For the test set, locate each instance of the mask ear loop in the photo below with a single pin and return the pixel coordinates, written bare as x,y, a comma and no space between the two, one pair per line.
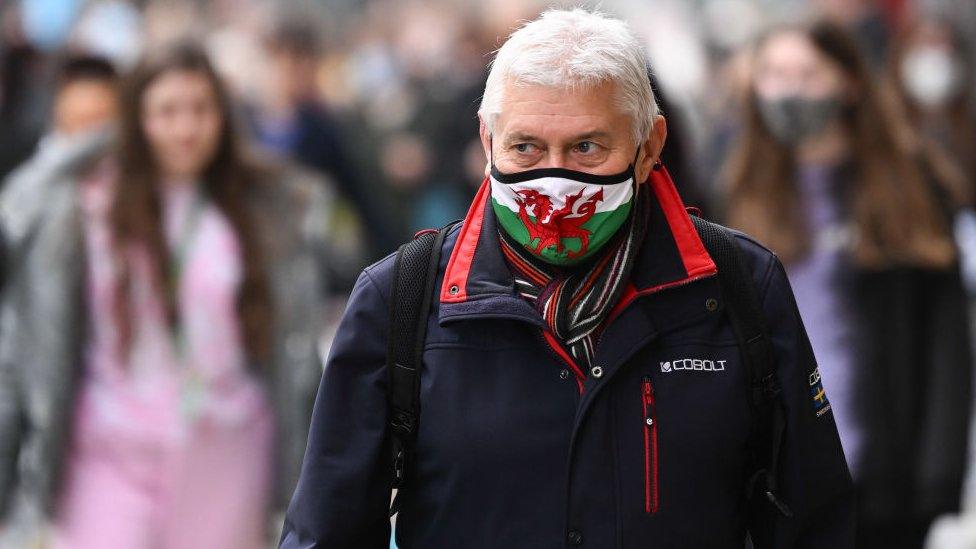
633,171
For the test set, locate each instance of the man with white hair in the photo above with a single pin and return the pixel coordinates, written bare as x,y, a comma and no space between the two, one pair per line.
591,371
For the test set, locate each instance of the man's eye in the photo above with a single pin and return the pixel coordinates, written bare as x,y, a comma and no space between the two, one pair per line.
524,147
586,147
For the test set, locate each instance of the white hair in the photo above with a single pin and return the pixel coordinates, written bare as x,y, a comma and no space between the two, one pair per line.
574,49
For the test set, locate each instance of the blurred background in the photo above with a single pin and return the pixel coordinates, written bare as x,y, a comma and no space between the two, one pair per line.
841,133
387,91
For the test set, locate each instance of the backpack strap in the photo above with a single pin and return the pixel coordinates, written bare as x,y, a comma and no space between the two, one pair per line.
414,274
749,324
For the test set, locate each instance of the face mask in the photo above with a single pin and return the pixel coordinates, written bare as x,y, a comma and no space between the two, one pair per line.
930,76
561,216
792,119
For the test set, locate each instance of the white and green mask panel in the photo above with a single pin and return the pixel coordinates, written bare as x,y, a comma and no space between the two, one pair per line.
562,216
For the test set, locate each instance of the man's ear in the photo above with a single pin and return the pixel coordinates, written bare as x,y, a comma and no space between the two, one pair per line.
651,149
485,143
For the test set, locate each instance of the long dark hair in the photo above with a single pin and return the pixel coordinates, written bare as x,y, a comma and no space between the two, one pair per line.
960,112
136,216
891,204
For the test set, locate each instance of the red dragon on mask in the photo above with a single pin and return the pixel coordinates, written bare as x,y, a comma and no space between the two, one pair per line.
551,227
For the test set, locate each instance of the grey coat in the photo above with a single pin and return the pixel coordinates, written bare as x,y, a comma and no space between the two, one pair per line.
42,319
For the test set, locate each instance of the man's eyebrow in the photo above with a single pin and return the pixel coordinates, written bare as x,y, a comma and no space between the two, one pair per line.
595,134
519,137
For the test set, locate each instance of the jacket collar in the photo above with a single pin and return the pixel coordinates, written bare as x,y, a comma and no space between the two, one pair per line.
477,281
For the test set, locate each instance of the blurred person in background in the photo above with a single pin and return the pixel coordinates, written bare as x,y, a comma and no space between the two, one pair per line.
291,120
86,97
821,177
932,74
85,103
158,331
415,86
445,73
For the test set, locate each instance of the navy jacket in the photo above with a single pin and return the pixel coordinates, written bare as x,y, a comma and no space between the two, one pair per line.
512,452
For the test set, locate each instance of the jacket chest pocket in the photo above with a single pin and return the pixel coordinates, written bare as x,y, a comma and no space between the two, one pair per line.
682,422
649,426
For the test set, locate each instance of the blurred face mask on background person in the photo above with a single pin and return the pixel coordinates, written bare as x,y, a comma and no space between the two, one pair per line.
930,75
792,119
799,92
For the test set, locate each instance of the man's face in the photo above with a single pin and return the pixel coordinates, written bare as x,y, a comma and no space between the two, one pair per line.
583,130
83,105
293,75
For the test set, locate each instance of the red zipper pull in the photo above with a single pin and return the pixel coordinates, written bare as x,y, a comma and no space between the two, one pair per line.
648,391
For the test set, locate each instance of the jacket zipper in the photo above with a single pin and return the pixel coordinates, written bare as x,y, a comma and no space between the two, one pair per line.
651,492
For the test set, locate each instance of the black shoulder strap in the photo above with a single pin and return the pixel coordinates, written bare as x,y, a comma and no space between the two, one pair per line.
745,312
743,306
414,274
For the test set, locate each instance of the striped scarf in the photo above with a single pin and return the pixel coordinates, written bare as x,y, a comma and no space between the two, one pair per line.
575,302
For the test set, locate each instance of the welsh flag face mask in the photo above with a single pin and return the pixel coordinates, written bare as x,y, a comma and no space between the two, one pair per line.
562,216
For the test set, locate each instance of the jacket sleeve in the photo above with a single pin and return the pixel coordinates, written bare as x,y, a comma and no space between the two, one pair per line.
11,420
343,494
813,478
11,429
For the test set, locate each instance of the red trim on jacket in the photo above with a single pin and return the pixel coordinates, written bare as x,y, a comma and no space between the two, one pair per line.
459,266
693,254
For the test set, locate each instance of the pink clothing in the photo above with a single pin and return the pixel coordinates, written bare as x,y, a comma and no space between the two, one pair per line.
171,447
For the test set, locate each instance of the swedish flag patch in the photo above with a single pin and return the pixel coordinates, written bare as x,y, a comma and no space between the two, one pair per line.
820,403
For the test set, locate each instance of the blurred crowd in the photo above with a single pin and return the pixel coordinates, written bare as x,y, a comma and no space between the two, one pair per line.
160,347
